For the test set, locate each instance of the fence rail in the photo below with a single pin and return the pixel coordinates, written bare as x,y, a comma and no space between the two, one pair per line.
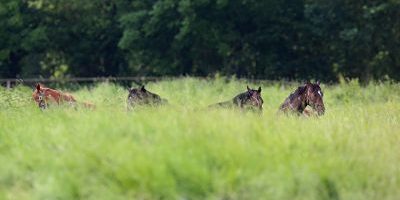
10,82
13,81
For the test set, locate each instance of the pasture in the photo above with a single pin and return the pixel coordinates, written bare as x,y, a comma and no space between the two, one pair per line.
185,151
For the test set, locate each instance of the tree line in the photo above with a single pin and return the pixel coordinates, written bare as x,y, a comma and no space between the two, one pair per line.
269,39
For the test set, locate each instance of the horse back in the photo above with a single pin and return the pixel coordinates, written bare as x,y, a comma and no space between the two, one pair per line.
239,99
285,104
88,105
225,104
68,97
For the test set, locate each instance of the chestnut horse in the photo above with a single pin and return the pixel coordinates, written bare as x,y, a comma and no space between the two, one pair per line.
43,95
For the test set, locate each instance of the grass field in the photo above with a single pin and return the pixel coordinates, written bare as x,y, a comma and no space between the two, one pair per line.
184,151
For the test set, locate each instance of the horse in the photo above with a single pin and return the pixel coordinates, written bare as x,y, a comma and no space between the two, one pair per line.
249,100
43,95
141,96
310,94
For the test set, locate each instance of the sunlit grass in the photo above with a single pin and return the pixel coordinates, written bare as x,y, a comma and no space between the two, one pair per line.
186,151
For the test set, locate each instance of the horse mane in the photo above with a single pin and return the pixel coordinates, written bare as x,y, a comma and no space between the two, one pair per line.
42,86
298,92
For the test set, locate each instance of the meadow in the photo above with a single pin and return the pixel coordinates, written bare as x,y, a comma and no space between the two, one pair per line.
186,151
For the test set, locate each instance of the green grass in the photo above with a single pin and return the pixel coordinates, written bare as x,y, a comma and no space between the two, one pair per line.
184,151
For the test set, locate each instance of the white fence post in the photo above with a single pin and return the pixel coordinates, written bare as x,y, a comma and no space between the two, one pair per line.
8,84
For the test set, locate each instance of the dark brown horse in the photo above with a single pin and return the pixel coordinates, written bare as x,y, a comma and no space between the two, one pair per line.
43,96
249,100
308,95
141,96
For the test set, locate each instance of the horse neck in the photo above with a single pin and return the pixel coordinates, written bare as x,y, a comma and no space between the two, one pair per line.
297,101
153,96
55,94
302,101
240,97
63,96
68,97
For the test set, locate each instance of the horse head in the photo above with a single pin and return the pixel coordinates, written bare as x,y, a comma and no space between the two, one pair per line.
142,96
39,96
314,97
253,98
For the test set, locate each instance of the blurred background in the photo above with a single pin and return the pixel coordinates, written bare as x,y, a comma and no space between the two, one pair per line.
268,39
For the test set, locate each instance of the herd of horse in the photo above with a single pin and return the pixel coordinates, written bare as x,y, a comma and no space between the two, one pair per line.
309,94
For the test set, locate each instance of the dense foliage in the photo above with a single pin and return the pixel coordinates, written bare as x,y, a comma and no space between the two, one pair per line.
269,39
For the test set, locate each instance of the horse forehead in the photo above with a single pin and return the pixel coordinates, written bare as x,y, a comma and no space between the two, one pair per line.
134,92
36,93
254,93
316,87
256,97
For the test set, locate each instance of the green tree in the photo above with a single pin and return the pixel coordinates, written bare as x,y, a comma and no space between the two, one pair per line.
84,34
242,37
21,36
359,38
271,39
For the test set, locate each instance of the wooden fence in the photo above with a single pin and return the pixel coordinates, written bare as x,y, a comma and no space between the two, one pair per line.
8,83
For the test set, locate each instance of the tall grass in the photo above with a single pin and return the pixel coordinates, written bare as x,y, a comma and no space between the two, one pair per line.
185,151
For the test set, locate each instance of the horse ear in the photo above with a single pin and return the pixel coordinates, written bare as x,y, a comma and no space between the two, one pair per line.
318,82
142,88
248,88
259,89
38,87
308,82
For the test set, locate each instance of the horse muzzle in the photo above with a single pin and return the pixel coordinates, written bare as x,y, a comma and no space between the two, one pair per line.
42,105
320,110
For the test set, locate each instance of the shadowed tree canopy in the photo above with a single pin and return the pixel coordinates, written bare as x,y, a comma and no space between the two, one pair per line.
271,39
